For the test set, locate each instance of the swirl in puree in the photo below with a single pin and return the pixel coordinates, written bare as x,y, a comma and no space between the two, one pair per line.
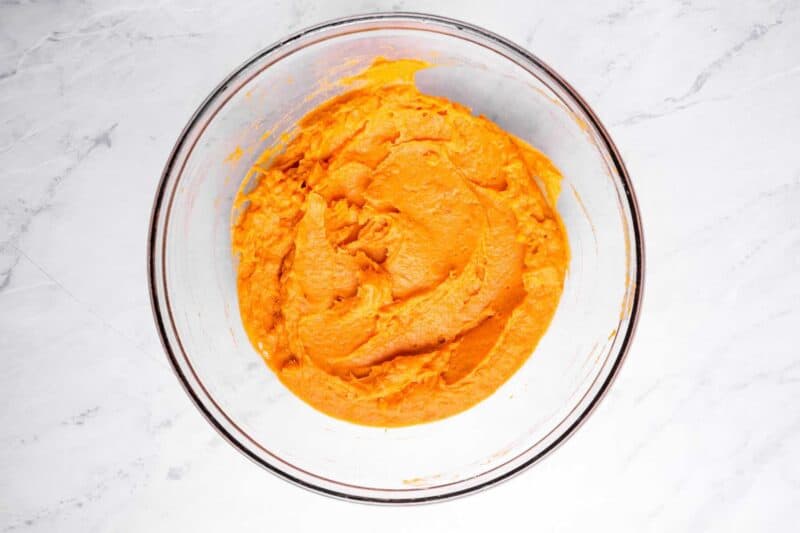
400,258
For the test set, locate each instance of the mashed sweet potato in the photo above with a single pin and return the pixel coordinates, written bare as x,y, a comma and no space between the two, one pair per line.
400,258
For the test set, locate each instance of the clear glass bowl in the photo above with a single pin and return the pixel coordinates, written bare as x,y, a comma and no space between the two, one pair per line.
192,269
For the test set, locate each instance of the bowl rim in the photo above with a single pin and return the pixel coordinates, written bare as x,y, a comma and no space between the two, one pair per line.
637,281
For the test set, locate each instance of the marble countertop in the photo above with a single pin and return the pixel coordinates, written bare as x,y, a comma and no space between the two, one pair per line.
701,431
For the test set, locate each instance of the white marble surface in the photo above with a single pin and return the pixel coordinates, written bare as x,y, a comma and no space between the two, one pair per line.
700,433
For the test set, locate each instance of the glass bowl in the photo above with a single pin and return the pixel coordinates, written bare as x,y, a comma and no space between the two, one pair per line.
192,270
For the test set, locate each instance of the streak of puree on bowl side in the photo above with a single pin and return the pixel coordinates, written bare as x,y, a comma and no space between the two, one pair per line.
399,257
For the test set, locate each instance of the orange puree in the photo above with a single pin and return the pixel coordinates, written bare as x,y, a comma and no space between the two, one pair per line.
398,260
